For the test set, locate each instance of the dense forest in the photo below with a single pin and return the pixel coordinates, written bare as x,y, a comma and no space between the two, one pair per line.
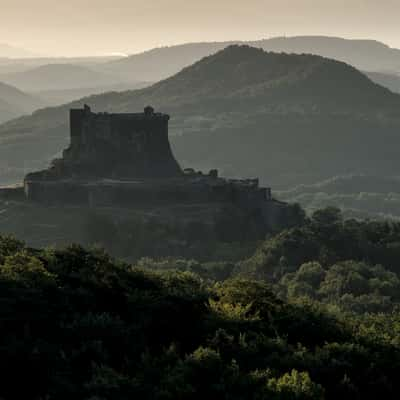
313,313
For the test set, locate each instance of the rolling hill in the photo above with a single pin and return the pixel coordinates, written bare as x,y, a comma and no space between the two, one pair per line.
12,65
58,76
55,97
389,81
14,102
7,111
289,119
368,55
358,196
160,63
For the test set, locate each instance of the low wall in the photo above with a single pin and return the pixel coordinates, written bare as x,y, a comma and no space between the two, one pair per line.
128,194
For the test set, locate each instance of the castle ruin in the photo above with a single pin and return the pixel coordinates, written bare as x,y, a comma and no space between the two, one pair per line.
116,146
124,160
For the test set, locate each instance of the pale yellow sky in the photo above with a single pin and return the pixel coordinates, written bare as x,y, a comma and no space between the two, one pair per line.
82,27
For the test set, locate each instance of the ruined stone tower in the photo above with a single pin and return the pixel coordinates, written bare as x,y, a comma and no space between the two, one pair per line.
127,146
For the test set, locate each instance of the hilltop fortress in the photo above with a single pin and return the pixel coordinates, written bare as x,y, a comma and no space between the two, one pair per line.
125,160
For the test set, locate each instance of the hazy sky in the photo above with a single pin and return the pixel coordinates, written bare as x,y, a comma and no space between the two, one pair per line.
78,27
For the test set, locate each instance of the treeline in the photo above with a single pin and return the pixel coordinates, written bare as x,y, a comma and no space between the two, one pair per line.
77,324
327,238
230,235
312,314
346,264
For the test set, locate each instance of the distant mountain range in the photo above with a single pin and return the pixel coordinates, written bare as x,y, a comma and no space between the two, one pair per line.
389,81
160,63
57,84
289,119
368,55
359,196
44,74
14,102
55,97
10,65
58,76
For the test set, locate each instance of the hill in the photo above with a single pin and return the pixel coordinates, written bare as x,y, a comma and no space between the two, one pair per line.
359,196
14,102
287,118
389,81
7,111
369,55
58,76
160,63
11,65
55,97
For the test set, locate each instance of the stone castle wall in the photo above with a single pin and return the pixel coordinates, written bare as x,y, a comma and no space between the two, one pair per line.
125,193
123,160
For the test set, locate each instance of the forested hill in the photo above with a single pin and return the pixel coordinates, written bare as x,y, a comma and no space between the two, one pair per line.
163,62
14,102
359,196
160,63
319,320
245,77
57,76
286,118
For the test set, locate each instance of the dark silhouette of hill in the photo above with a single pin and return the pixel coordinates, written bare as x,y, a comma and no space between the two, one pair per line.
58,76
14,102
7,111
359,196
288,118
163,62
389,81
11,65
55,97
160,63
369,55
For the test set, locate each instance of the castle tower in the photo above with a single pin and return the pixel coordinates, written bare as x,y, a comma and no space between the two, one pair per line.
127,146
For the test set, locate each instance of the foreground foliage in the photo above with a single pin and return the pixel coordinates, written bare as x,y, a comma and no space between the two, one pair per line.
77,324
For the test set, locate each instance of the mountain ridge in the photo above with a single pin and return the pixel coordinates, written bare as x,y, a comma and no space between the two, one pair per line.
15,102
57,76
285,118
364,54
